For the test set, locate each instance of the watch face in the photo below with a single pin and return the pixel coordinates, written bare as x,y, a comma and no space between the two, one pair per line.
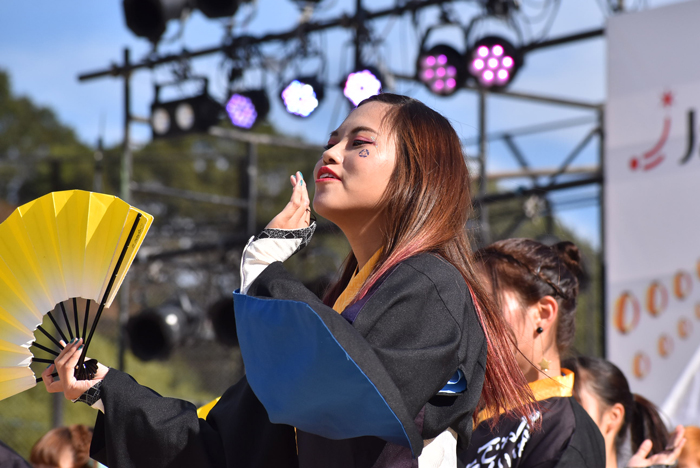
184,116
160,121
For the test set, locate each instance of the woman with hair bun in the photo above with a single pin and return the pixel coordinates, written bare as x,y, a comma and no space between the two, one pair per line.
387,370
536,287
621,415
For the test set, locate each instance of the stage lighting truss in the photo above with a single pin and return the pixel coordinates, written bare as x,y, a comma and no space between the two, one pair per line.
182,116
246,108
361,84
493,62
302,96
441,69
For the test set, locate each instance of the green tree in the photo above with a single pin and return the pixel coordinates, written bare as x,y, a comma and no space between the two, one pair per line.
38,153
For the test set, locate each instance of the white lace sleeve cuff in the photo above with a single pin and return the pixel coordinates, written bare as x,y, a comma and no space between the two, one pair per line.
271,245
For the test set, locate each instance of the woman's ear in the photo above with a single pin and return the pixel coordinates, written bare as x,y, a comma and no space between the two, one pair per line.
612,419
546,312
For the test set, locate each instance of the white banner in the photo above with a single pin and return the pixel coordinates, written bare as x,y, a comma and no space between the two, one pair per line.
652,198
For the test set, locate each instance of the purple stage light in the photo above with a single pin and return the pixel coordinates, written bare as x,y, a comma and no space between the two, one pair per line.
302,96
241,111
245,108
362,84
493,62
440,69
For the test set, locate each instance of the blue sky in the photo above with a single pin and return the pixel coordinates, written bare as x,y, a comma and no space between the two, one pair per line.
45,45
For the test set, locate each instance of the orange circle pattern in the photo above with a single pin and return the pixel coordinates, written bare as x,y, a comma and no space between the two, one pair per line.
657,298
665,345
627,313
641,365
685,328
682,284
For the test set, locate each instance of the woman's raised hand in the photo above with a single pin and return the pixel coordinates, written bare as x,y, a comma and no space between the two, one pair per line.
65,364
296,214
668,457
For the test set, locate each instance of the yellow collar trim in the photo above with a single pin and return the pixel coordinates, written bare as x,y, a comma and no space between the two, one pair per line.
358,279
557,386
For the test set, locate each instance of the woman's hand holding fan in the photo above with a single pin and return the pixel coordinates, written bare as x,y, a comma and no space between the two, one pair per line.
65,365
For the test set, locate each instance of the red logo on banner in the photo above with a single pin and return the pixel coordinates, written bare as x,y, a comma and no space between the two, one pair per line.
653,157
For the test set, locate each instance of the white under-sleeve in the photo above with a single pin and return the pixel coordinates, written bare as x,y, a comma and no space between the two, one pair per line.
259,253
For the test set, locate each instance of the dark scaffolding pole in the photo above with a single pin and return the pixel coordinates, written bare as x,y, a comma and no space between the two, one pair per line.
125,194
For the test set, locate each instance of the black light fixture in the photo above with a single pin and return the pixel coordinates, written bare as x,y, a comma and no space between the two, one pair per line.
441,69
182,116
500,7
493,62
248,107
223,321
302,96
155,332
218,8
149,18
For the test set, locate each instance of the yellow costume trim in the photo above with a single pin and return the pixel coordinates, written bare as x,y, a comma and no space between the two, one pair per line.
356,283
203,411
557,386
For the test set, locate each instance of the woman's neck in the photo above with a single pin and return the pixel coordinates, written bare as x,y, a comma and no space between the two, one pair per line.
610,453
365,238
536,372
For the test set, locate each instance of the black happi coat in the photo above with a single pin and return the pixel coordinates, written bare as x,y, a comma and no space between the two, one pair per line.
568,438
398,348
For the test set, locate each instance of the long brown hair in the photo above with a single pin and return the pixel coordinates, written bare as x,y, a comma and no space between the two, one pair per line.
427,204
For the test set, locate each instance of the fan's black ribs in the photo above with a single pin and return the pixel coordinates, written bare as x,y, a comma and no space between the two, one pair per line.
65,319
85,318
48,335
45,361
75,316
58,328
44,348
103,302
39,379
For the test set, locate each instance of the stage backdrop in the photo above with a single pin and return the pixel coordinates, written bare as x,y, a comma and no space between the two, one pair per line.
652,203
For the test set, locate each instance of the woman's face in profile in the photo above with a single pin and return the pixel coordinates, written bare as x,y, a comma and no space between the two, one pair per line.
518,317
356,166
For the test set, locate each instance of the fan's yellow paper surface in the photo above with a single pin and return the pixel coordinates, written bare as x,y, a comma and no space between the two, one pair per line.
60,246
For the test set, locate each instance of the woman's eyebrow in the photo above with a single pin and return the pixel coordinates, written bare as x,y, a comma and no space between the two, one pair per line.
356,130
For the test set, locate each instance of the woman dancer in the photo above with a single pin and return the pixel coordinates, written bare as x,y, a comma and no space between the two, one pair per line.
537,287
392,360
604,393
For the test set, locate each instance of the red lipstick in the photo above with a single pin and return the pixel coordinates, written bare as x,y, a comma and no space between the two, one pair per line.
329,174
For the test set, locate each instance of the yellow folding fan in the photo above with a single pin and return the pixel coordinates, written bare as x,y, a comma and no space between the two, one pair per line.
57,248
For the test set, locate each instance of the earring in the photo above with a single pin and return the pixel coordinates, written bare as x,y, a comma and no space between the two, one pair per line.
544,363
